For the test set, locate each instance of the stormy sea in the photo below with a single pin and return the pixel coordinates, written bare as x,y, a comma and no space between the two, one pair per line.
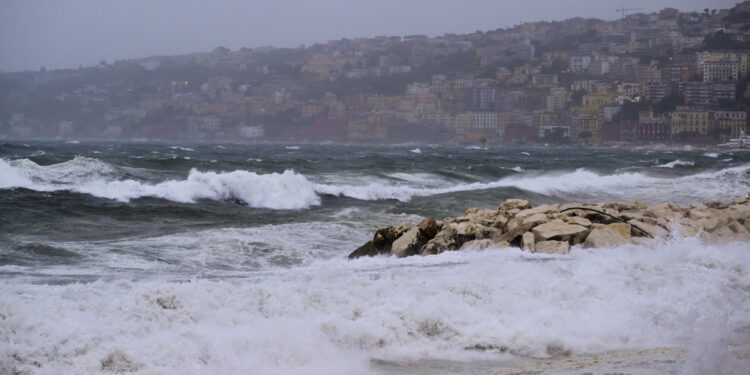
155,258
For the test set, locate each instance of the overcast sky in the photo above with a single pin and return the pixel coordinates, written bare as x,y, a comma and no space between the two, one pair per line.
64,34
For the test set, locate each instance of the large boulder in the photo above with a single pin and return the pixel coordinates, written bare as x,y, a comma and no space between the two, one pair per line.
606,236
368,249
409,243
561,231
428,226
552,247
381,242
384,237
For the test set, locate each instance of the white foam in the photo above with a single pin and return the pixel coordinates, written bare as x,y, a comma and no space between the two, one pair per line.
517,169
416,151
292,147
711,154
724,184
182,148
287,190
334,316
676,163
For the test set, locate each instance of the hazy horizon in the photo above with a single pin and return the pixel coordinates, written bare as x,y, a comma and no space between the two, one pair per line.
65,35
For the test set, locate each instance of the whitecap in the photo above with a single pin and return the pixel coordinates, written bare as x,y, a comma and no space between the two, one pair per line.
416,151
676,163
182,148
711,154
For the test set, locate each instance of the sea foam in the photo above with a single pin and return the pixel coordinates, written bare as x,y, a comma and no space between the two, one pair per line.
335,316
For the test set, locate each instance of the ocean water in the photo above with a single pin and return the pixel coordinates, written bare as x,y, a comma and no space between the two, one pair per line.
218,258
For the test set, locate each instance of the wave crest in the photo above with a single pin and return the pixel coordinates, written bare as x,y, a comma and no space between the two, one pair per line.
287,190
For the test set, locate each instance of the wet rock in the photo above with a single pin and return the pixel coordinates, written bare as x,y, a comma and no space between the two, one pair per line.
384,237
527,241
409,243
552,247
428,226
561,231
368,249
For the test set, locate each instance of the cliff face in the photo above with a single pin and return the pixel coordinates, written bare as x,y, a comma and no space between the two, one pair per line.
554,228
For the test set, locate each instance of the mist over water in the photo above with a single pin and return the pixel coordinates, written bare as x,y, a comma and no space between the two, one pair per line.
208,258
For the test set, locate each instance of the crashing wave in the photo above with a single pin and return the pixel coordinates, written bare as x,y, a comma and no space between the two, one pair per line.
287,190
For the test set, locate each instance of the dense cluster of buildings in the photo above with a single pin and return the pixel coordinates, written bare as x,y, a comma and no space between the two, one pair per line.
664,77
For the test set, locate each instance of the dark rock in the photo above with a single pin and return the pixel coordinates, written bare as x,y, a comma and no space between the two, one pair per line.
368,249
429,227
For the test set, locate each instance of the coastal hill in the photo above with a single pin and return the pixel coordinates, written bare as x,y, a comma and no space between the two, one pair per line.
642,78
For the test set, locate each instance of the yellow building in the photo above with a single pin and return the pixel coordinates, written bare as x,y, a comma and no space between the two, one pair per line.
589,130
597,99
690,120
729,124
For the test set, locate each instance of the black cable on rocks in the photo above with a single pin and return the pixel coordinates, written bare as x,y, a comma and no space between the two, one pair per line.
604,213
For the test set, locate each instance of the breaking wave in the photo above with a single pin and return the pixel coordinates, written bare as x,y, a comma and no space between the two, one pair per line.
291,190
287,190
727,183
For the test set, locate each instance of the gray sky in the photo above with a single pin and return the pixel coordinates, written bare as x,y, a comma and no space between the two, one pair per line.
64,34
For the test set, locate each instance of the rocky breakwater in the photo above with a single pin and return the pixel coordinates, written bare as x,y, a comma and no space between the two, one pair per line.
554,228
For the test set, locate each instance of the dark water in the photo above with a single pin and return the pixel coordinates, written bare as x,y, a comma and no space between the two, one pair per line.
206,258
98,193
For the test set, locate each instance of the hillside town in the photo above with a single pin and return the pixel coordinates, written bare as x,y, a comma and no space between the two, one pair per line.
671,77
